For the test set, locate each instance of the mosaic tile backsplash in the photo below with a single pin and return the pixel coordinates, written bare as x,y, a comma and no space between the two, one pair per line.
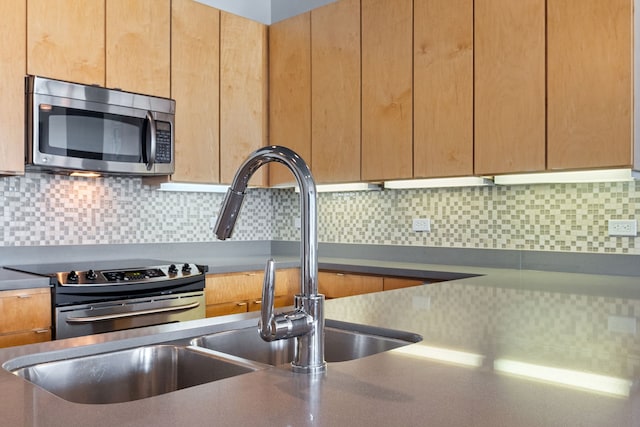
42,209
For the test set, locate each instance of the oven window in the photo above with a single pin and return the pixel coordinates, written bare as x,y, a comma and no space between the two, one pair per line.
91,135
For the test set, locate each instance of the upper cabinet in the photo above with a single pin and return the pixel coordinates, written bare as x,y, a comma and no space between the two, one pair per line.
290,91
509,86
443,88
195,85
243,94
66,40
138,47
387,98
13,62
335,92
590,83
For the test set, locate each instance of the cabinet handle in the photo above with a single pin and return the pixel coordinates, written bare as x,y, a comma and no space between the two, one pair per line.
250,274
241,304
24,296
258,301
41,331
339,274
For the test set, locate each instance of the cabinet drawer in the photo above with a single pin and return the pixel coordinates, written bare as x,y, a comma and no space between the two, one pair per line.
336,284
28,337
25,310
227,308
391,283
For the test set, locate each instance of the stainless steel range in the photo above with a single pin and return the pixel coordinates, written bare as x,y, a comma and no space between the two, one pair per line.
96,297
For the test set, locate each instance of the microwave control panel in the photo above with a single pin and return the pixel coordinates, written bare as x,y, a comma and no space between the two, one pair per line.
163,142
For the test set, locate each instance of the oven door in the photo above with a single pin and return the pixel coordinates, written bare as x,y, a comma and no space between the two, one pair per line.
96,318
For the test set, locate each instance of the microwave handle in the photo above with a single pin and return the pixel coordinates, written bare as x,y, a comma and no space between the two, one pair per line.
152,129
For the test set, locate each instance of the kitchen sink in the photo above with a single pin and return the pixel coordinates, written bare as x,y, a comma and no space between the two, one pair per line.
127,375
343,341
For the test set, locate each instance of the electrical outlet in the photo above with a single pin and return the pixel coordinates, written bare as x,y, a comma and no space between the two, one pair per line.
623,227
421,224
296,222
212,222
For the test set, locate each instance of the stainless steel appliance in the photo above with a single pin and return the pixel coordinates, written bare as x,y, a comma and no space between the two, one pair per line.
72,127
96,297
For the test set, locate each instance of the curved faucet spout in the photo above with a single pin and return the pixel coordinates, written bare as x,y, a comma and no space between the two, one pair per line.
309,314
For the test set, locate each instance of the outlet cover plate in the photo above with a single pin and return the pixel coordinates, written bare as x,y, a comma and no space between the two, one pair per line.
623,227
421,224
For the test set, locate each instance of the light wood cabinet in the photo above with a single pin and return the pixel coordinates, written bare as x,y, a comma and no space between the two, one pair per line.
232,293
590,83
195,80
391,283
335,92
13,27
387,71
290,91
443,88
138,48
243,94
66,40
25,316
338,284
509,86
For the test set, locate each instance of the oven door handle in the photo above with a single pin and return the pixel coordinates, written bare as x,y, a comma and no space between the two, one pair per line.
90,319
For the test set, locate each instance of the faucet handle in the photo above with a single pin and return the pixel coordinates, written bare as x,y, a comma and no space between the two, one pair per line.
268,292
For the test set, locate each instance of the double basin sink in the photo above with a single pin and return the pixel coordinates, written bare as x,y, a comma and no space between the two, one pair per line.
137,373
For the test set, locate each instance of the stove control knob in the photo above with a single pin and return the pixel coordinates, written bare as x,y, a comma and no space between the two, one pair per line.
173,269
186,268
91,275
72,276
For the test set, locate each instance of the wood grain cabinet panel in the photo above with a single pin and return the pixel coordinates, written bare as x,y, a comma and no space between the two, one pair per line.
25,316
391,283
337,284
509,109
138,46
443,88
290,91
231,293
335,92
195,80
590,86
387,94
243,94
66,40
13,65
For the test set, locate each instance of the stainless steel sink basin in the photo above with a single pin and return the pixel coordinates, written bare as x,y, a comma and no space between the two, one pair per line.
343,341
126,375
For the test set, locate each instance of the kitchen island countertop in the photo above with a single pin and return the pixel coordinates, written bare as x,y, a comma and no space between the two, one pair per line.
563,323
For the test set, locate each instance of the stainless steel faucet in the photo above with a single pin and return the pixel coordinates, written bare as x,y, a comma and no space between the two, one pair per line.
306,322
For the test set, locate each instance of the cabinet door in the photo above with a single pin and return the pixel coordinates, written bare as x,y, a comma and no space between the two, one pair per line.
443,88
195,79
335,92
391,283
387,109
336,285
138,46
13,62
243,94
509,86
65,40
23,338
590,88
290,91
25,310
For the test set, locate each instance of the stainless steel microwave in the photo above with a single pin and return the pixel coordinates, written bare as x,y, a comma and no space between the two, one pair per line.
73,128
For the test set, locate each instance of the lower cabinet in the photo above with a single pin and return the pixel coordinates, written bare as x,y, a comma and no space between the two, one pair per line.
232,293
336,284
25,316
